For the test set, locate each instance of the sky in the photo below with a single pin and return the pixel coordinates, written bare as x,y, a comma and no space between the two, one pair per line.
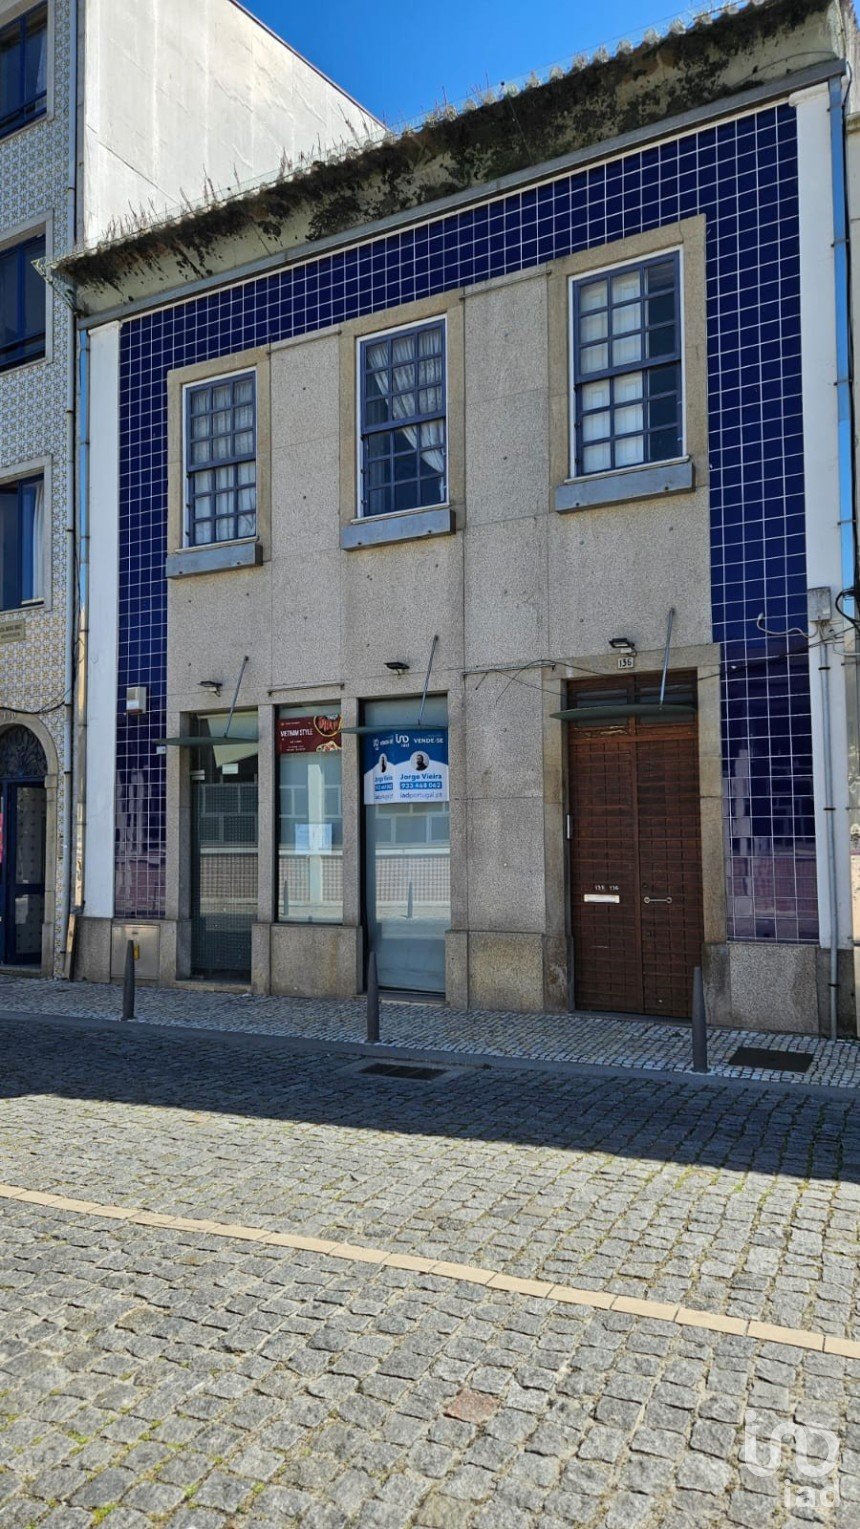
400,58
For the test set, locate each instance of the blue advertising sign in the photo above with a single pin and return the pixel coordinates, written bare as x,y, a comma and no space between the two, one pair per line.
405,765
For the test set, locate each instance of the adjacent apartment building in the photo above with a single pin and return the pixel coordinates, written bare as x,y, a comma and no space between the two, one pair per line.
107,109
472,569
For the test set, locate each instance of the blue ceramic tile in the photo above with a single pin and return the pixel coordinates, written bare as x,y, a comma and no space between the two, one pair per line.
743,177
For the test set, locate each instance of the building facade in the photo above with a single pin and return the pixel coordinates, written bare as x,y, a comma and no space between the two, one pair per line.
87,91
467,569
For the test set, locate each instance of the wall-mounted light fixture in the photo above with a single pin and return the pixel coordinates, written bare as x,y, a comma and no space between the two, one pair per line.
397,665
212,685
622,644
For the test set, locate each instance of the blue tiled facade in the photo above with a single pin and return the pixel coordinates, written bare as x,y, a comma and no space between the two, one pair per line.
742,175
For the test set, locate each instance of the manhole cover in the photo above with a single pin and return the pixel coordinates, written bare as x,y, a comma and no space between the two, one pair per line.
777,1061
403,1070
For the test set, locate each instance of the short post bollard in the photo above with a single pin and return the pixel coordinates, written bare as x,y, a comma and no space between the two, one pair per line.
128,982
700,1024
372,1000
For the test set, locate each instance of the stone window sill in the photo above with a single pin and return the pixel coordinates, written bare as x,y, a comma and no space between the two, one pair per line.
213,558
402,526
649,482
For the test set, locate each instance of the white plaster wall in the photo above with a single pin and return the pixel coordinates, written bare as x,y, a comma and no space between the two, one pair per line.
820,438
103,622
179,90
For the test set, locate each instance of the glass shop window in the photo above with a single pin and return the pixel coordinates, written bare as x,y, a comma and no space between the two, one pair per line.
407,842
310,815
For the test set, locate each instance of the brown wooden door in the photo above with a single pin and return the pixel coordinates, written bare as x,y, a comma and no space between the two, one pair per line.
636,880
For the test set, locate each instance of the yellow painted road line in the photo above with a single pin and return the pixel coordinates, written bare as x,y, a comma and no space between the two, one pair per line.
596,1300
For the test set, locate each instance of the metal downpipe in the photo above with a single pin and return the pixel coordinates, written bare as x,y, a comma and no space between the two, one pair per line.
847,522
67,870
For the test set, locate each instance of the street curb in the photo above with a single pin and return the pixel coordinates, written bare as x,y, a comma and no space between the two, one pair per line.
478,1061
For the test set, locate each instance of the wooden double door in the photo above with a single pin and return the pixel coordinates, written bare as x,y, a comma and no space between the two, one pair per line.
635,840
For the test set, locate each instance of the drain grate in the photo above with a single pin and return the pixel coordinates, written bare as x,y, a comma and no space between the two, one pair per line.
777,1061
403,1070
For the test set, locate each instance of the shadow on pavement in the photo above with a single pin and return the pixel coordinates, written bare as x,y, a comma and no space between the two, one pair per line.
765,1130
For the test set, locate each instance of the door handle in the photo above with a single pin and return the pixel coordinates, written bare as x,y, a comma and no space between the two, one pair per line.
656,899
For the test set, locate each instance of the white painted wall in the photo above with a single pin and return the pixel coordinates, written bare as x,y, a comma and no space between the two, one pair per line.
820,445
176,90
104,618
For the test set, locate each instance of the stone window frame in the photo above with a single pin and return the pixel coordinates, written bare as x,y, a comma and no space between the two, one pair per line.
15,472
648,480
360,531
182,559
13,10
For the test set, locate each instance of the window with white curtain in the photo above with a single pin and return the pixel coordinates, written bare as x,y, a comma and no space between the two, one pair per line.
403,420
22,542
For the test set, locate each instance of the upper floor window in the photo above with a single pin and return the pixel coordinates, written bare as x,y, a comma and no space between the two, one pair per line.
24,70
22,303
403,449
627,367
221,460
22,514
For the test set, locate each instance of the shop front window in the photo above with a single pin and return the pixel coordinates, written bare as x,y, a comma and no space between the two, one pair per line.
310,815
407,842
224,862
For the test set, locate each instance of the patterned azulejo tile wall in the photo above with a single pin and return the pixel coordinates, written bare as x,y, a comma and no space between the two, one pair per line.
33,428
743,176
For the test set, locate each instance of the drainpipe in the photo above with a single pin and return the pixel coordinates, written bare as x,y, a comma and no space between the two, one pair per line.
830,811
837,89
69,664
83,498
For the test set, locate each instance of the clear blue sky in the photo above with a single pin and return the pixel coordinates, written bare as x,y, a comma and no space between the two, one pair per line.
400,57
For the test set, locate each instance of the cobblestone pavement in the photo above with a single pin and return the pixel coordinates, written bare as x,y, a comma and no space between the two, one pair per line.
573,1038
149,1376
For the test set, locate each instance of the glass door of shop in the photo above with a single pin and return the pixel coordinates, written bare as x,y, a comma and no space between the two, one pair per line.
224,862
407,863
22,874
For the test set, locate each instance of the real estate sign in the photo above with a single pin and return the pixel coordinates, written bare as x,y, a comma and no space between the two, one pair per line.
405,765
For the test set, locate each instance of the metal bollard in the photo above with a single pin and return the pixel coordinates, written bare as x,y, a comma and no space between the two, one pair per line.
410,902
128,982
699,1024
372,1001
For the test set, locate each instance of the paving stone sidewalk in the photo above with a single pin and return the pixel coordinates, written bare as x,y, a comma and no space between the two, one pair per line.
152,1379
600,1040
738,1201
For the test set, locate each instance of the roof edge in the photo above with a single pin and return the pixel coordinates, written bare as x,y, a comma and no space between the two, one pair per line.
466,157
